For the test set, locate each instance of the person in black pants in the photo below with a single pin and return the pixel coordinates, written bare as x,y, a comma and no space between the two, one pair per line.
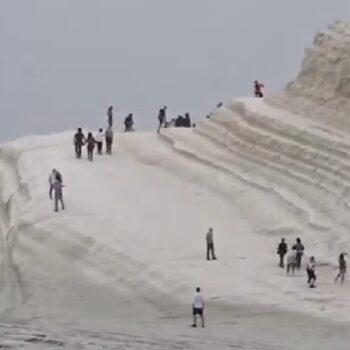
79,141
311,274
90,146
210,245
299,247
282,251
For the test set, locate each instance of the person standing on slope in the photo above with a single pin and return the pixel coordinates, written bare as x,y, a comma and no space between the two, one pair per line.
342,268
110,116
299,247
109,140
162,118
58,194
129,123
292,261
198,307
210,245
258,89
311,274
99,141
90,141
79,141
52,179
282,251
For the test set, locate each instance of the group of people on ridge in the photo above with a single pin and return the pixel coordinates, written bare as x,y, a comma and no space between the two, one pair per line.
90,142
294,259
179,122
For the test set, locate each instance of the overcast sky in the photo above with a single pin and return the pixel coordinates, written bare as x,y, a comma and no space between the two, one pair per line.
62,62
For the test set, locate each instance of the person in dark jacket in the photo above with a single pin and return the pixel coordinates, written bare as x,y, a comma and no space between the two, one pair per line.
129,122
79,141
187,121
210,245
109,140
162,118
110,116
258,89
299,247
90,141
282,251
342,268
180,121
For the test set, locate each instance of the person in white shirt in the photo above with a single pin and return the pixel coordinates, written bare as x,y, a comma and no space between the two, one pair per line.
52,180
99,140
198,307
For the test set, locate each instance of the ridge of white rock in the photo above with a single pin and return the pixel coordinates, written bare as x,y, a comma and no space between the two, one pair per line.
321,90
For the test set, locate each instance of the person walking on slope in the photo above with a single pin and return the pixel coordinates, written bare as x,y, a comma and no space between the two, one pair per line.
282,251
258,89
210,245
292,261
342,268
162,118
311,274
110,116
109,140
129,123
299,247
79,141
58,194
99,141
52,180
198,307
90,141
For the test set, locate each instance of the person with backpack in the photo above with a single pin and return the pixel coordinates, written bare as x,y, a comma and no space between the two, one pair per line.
342,268
282,251
90,141
99,141
109,140
299,247
311,274
79,141
162,118
198,307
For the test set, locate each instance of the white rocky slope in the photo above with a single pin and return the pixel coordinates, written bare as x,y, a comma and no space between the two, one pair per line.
322,89
125,256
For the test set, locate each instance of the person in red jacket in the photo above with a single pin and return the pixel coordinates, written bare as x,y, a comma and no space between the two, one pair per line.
258,89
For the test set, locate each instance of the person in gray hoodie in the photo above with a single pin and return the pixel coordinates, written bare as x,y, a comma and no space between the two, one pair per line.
210,245
58,194
109,140
52,179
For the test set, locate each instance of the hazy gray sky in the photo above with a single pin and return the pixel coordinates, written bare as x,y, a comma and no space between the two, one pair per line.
62,62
